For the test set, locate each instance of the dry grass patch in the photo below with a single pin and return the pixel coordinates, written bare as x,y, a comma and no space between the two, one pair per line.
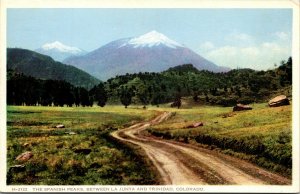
263,134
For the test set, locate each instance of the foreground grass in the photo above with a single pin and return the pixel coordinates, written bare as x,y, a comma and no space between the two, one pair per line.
57,159
262,135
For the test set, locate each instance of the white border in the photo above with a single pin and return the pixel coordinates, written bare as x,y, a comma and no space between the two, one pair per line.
293,4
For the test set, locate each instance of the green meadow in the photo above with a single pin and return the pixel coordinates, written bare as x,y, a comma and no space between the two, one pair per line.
59,156
262,136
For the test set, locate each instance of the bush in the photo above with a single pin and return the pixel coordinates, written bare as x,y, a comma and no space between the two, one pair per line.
245,100
224,101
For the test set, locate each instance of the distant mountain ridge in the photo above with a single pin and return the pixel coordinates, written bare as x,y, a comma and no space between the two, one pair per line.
151,52
59,51
44,67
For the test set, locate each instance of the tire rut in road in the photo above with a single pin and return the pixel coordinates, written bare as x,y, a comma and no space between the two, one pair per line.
182,164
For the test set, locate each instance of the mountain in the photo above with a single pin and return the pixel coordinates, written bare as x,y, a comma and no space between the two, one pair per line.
58,51
152,52
44,67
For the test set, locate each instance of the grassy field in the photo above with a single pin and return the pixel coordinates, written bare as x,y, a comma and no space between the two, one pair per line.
262,135
58,154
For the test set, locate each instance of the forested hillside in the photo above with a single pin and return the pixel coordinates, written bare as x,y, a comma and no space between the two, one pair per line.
225,89
44,67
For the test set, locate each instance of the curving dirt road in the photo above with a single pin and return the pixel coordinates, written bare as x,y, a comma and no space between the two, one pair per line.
185,164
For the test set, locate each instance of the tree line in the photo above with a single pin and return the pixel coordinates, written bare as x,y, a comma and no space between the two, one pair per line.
26,90
226,89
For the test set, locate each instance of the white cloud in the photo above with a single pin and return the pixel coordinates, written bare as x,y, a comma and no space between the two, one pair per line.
237,38
272,47
240,36
250,51
207,46
245,51
260,57
282,35
229,51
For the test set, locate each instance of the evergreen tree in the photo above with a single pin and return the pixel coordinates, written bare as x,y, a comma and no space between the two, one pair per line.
77,99
157,99
144,94
126,96
99,94
84,97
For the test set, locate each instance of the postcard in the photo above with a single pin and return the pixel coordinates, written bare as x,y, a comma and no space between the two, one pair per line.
149,96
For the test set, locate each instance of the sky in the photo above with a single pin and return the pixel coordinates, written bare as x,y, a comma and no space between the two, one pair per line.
235,38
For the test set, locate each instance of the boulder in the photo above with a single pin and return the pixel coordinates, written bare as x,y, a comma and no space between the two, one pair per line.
281,100
194,125
60,126
24,156
240,107
17,168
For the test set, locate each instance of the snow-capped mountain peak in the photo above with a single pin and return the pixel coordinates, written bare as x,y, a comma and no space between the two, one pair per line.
151,39
59,51
151,52
61,47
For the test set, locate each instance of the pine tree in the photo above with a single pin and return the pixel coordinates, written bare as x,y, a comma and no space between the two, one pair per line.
125,96
99,94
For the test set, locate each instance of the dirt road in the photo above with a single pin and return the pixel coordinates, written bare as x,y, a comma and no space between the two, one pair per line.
185,164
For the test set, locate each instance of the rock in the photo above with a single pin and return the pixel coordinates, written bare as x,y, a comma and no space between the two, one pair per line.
281,100
85,151
240,107
60,126
17,168
70,133
24,156
194,125
26,144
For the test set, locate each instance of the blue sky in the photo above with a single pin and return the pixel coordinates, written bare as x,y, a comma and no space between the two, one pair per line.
255,38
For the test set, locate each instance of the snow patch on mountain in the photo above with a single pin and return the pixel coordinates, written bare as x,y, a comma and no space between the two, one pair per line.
151,39
151,52
61,47
59,51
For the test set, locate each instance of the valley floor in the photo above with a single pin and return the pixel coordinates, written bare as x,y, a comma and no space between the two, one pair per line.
162,142
262,136
184,164
81,153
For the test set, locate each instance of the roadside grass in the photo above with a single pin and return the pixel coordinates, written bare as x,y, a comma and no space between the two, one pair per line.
262,136
85,157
